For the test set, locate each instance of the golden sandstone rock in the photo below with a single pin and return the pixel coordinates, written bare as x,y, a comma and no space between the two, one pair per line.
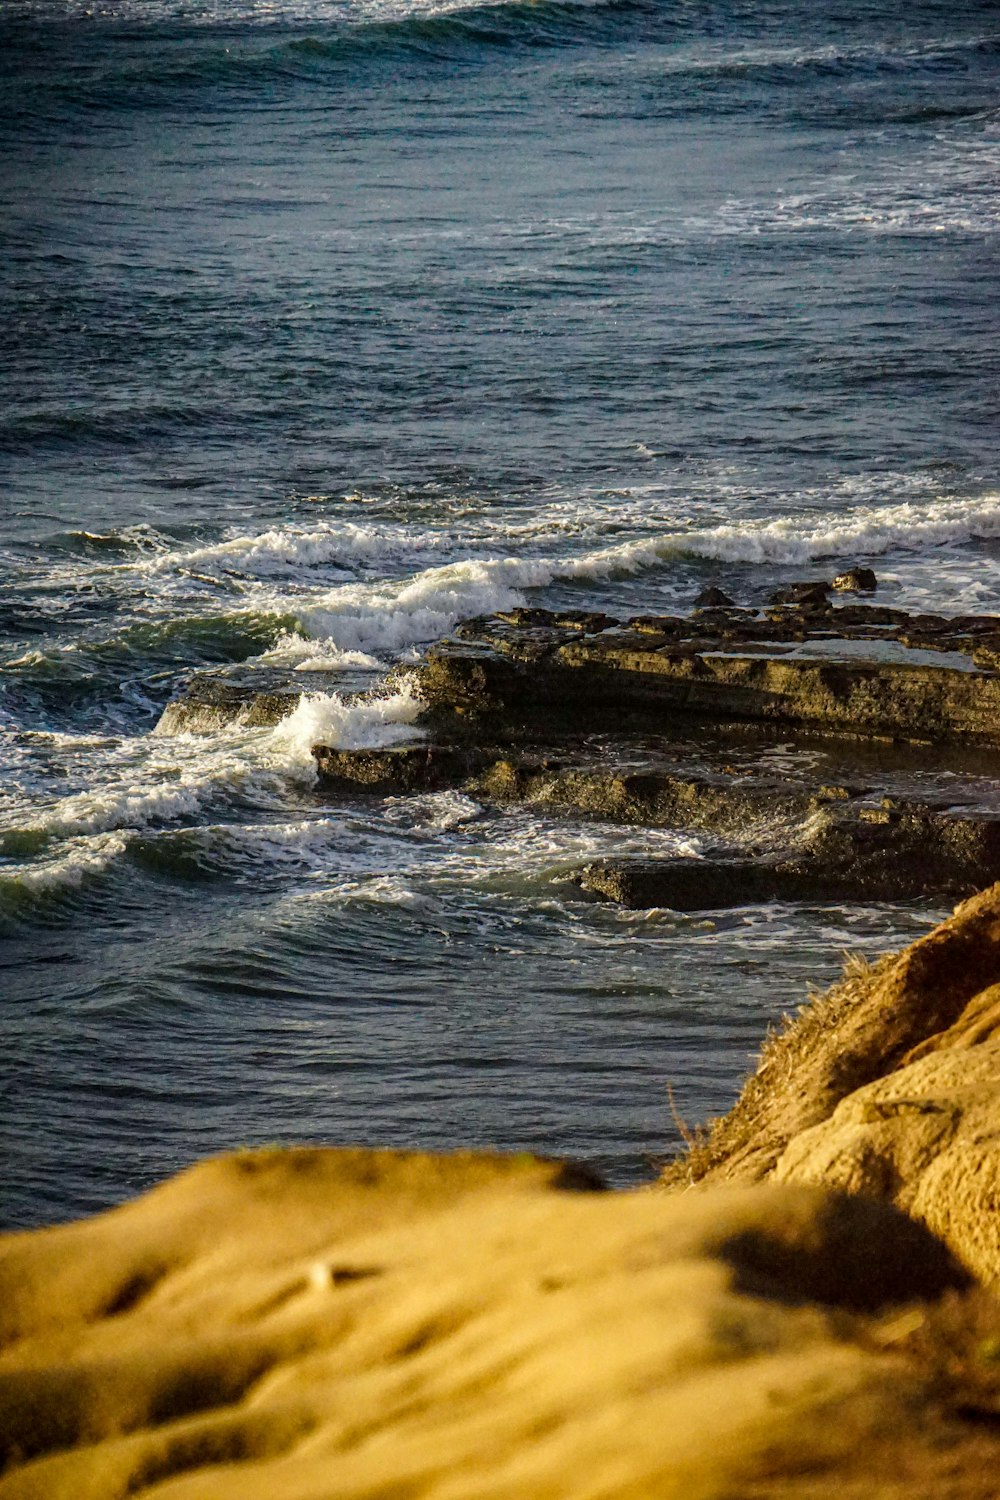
888,1086
924,1138
318,1323
368,1325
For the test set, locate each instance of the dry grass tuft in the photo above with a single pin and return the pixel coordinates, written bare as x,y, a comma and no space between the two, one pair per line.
790,1052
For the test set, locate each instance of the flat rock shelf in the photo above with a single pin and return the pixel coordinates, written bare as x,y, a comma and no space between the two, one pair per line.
820,752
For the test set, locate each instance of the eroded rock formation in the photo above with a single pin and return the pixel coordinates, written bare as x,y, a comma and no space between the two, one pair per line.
296,1324
888,1086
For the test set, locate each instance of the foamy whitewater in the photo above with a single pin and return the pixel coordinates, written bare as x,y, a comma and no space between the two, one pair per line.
330,325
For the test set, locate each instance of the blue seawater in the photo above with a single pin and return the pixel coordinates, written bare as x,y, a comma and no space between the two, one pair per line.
327,324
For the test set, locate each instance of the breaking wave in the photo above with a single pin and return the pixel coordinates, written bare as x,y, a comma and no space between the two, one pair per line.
388,619
362,724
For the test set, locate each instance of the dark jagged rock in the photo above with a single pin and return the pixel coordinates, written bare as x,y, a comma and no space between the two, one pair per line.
570,619
856,581
814,591
713,596
784,839
645,789
391,772
686,884
653,795
892,853
670,627
659,719
253,696
213,700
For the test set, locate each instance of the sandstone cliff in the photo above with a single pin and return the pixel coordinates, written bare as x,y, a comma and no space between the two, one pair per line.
310,1324
888,1086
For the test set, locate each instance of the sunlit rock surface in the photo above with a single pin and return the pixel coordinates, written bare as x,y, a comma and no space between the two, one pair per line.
316,1323
888,1086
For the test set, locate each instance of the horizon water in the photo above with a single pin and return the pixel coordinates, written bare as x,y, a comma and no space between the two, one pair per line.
327,325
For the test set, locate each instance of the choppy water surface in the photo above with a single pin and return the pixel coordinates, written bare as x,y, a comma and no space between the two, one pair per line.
326,325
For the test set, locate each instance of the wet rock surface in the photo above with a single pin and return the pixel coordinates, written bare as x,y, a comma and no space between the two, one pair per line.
394,772
853,852
856,581
858,670
254,697
820,776
714,596
822,752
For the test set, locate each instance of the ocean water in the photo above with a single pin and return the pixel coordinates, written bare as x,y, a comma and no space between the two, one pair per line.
329,322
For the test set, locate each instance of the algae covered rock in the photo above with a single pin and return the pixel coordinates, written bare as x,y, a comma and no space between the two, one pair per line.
810,592
856,581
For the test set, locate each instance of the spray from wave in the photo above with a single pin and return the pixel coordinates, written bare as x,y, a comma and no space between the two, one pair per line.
362,724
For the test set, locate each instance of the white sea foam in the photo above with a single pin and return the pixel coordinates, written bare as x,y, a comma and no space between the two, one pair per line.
145,784
293,550
152,780
864,532
331,658
344,724
951,187
343,624
384,620
148,781
388,890
438,812
78,860
267,844
118,807
715,57
526,841
301,13
305,655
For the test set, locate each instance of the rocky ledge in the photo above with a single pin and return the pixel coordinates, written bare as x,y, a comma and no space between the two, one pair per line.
856,670
888,790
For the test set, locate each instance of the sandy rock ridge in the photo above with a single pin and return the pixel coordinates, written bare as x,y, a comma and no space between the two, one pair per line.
309,1323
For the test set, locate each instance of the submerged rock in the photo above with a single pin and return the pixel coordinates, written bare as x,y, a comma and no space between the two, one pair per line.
848,852
808,593
396,771
212,701
254,696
